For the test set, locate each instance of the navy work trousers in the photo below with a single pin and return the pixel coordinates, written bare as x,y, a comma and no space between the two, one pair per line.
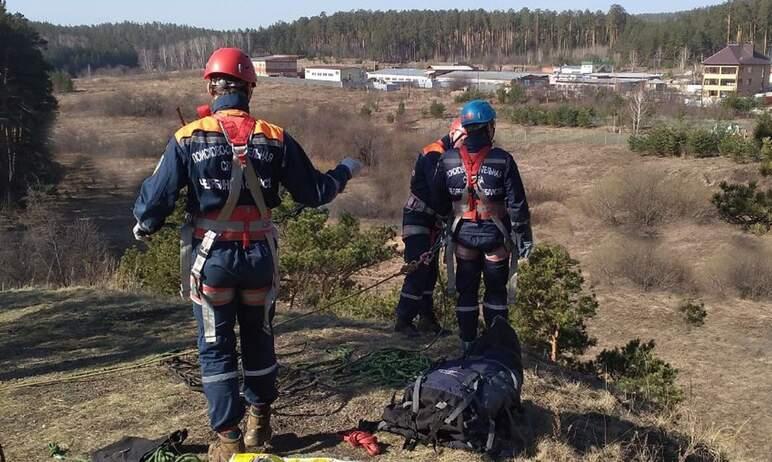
417,295
480,253
236,281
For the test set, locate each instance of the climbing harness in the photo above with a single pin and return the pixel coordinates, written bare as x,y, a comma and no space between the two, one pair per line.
474,205
231,223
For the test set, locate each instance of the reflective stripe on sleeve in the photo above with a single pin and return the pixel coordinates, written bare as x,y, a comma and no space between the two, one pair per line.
260,372
496,307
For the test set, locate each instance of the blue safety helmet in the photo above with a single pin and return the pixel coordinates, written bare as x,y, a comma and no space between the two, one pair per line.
477,112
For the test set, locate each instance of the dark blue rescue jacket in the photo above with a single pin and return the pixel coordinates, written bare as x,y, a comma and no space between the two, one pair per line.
501,188
199,157
418,216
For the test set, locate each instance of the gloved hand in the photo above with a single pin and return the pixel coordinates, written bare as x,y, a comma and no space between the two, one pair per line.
353,166
140,234
522,236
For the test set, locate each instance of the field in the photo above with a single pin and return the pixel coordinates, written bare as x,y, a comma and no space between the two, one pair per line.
725,366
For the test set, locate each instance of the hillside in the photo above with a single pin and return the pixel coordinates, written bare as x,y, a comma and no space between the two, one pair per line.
488,37
80,329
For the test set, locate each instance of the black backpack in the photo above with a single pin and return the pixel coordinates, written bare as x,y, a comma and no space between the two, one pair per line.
466,403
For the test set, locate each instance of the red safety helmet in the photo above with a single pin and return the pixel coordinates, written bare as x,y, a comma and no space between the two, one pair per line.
233,62
457,132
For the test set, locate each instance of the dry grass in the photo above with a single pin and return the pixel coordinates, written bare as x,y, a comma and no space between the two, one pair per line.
53,251
91,141
734,340
643,262
122,102
568,417
539,193
646,197
743,268
332,132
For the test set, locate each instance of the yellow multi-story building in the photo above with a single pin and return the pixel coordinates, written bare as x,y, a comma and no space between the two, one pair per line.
736,69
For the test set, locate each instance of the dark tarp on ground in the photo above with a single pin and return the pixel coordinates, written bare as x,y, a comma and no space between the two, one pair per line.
134,449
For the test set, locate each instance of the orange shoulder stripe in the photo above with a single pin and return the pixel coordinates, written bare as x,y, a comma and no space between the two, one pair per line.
207,124
438,146
271,131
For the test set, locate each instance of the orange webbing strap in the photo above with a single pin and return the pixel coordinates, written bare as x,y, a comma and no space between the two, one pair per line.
247,170
468,205
472,168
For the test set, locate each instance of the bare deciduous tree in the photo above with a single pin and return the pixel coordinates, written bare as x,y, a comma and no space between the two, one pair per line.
639,108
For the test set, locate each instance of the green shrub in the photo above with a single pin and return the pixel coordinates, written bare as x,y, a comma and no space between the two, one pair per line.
515,94
638,143
366,111
157,266
437,109
585,118
552,304
766,157
561,116
739,148
471,94
371,305
703,143
739,103
661,141
62,82
319,257
635,370
745,205
693,312
763,128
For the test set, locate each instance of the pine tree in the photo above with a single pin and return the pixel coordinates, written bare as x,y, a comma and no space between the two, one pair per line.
26,108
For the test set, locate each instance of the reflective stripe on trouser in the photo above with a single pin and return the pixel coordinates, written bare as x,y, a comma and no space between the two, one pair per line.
416,295
468,286
246,273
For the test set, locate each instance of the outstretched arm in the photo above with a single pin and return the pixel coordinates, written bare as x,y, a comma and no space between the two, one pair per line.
305,183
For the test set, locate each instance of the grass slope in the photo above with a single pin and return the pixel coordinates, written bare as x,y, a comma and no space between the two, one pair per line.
50,333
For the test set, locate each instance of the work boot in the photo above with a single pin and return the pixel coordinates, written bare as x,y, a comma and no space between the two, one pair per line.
228,443
429,325
405,328
258,432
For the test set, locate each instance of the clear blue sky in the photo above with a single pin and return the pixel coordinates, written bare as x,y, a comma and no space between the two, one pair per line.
233,14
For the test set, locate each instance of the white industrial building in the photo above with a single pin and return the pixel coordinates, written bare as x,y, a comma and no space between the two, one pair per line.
490,80
617,81
415,77
346,76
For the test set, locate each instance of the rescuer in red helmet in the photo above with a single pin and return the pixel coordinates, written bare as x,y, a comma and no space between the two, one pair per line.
233,165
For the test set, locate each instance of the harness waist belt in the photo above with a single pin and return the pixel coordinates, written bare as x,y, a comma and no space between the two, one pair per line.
414,203
487,211
246,223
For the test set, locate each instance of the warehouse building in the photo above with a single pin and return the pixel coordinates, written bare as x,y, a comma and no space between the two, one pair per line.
343,76
276,66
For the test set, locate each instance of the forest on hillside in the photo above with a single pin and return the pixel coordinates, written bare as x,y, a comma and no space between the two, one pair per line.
522,37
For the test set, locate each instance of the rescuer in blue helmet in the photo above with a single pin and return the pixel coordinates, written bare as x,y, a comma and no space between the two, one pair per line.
479,187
